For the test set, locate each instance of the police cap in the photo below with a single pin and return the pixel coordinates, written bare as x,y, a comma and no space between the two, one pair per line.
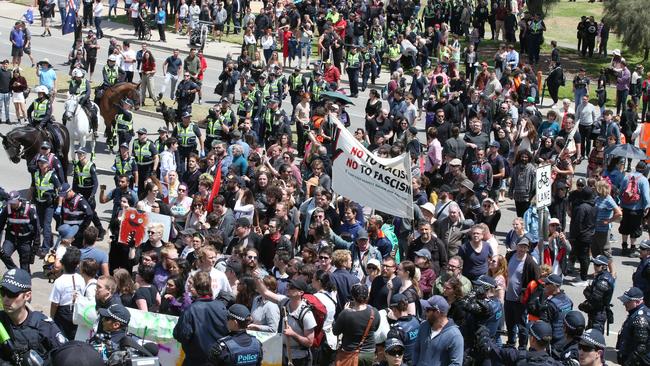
239,312
116,312
16,280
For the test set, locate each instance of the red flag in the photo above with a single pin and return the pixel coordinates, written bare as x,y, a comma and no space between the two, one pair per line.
215,188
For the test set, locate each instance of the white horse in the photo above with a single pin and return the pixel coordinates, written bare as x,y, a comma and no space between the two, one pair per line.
78,124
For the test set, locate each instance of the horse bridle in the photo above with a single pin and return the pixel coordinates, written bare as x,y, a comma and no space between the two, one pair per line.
21,151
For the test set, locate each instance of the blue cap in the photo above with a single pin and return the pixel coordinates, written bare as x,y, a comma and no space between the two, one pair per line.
16,280
600,260
554,279
633,294
397,298
239,312
116,312
574,320
594,338
485,280
436,302
392,343
541,330
65,188
142,131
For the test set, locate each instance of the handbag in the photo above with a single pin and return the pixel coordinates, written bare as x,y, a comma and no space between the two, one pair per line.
26,93
351,358
218,89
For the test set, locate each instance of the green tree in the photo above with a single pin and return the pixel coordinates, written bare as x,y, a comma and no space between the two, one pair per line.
631,21
540,6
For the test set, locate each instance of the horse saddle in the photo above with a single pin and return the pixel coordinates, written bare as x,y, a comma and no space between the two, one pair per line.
53,134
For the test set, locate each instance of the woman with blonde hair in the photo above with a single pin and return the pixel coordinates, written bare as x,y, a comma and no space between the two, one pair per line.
607,211
498,270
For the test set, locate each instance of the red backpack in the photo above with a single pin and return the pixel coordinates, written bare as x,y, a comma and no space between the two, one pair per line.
631,194
320,313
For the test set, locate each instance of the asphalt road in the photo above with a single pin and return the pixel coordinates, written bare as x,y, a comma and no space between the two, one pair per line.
15,176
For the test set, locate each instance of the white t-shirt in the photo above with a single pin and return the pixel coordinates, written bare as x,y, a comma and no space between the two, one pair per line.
90,289
182,12
98,9
134,10
125,65
65,288
219,281
308,322
329,301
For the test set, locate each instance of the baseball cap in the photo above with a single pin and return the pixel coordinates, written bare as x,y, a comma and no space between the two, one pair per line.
142,131
554,221
581,182
645,244
541,330
631,295
16,280
524,241
435,302
124,145
244,222
455,162
424,253
362,234
187,114
495,144
81,151
413,130
373,261
397,298
574,320
299,285
76,353
116,312
162,129
14,197
46,145
485,280
65,188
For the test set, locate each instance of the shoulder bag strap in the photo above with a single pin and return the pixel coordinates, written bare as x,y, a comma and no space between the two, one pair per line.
365,332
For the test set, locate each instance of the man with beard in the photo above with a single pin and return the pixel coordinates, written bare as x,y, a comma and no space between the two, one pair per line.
475,139
480,172
244,237
440,341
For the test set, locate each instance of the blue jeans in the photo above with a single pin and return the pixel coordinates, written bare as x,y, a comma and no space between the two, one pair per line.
45,214
577,96
63,13
5,99
98,27
621,99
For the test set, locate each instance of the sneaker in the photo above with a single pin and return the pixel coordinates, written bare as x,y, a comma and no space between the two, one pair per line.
633,253
580,284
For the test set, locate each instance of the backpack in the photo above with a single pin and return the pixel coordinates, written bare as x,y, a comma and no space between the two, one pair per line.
631,194
320,313
384,92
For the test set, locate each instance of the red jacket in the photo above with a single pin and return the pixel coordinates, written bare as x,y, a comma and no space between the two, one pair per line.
332,75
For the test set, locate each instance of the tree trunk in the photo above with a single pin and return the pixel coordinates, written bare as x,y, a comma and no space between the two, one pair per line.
646,52
536,7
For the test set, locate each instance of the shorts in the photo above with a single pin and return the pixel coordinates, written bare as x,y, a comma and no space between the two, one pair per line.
27,50
600,244
631,224
16,51
92,61
17,97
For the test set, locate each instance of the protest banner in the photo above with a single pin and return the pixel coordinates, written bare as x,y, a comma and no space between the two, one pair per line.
159,328
363,177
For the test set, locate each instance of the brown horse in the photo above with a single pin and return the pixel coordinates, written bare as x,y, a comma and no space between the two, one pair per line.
113,96
24,142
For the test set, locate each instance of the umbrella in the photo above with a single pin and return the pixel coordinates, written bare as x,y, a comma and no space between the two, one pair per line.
337,96
626,151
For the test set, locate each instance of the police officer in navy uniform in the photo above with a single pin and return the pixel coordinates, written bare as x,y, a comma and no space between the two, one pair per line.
80,87
557,304
482,309
641,277
84,182
190,140
227,114
540,335
76,214
125,164
21,221
566,350
29,330
591,348
237,348
274,123
124,122
45,185
406,327
598,295
633,342
146,157
53,162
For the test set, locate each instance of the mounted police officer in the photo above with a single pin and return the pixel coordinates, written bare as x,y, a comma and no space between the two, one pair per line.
124,122
353,64
598,295
53,162
44,187
146,157
80,87
111,75
21,221
238,347
39,113
125,165
557,305
641,277
297,86
406,327
76,214
28,330
190,140
566,350
85,182
540,337
633,342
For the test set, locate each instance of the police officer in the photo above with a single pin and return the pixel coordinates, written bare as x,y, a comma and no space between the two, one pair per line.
185,94
76,215
370,66
297,86
227,115
405,327
633,342
238,347
53,162
557,305
79,87
482,308
146,157
274,123
85,182
316,87
540,337
125,164
641,277
536,29
190,140
245,106
353,64
591,348
40,111
29,330
21,222
163,135
255,95
110,76
264,88
124,122
566,350
278,83
44,187
598,295
215,130
394,55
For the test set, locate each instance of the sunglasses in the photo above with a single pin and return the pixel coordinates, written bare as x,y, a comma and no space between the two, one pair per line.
395,353
585,348
150,232
323,257
9,294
